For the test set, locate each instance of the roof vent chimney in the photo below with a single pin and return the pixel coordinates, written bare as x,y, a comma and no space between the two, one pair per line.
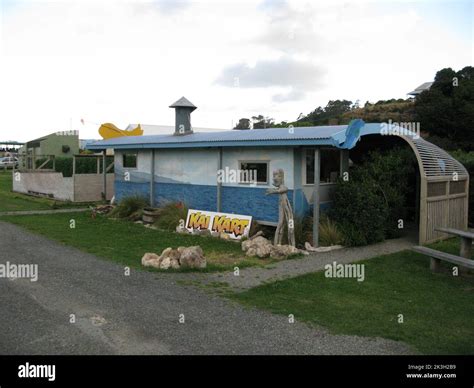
183,108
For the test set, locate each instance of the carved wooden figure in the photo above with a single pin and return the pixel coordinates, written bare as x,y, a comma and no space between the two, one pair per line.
285,212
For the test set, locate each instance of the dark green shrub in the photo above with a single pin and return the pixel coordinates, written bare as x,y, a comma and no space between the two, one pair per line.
303,231
360,210
467,159
391,171
369,206
83,165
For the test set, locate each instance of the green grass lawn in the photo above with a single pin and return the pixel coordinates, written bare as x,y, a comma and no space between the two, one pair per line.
10,201
125,242
438,309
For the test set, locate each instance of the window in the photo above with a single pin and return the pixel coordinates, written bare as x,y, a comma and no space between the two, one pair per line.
130,160
330,165
310,167
329,168
251,172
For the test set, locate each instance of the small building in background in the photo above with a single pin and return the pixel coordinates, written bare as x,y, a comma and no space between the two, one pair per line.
63,143
424,86
57,144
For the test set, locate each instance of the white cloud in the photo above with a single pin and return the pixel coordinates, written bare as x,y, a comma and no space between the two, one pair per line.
286,72
122,62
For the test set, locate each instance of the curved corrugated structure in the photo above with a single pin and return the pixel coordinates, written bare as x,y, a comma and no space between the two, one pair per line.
437,162
444,190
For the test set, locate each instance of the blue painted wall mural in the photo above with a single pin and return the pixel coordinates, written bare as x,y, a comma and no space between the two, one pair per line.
192,181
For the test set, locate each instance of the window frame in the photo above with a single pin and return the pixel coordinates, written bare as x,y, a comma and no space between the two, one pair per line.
266,162
136,160
303,162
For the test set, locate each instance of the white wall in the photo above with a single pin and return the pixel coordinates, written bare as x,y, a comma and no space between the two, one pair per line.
46,183
199,166
278,158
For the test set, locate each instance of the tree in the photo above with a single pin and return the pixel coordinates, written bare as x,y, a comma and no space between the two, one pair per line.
243,124
446,110
329,114
261,121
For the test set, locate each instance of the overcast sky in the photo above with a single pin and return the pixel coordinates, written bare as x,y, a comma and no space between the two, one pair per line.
127,61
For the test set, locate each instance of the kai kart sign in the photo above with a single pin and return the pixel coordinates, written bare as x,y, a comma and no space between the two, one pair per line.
234,225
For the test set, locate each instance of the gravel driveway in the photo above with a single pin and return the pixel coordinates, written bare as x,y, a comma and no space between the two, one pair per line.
140,313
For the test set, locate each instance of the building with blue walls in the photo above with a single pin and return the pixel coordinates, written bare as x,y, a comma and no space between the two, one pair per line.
185,166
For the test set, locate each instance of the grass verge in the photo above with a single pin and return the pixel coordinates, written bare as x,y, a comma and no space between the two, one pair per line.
438,309
125,242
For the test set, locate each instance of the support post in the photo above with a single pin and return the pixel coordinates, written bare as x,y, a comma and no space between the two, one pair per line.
344,167
73,165
104,172
219,183
152,179
435,264
98,165
316,197
466,247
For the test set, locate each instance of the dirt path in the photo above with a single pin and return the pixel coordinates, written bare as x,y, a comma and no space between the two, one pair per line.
254,276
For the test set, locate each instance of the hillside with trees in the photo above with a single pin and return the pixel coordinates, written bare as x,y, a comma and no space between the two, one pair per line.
445,111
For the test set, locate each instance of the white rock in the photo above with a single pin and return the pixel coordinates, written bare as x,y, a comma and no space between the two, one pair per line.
148,258
165,263
192,257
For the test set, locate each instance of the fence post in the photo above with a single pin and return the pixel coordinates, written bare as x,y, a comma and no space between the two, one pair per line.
104,167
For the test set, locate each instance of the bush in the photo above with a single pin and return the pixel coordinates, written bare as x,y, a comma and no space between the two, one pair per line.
329,233
360,210
391,171
129,207
367,207
467,159
303,231
170,214
83,165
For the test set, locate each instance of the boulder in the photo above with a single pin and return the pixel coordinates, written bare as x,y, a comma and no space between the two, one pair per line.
174,263
261,247
151,260
192,257
282,251
258,246
165,263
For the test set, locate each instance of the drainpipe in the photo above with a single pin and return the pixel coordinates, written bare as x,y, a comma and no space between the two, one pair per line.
316,197
219,184
152,179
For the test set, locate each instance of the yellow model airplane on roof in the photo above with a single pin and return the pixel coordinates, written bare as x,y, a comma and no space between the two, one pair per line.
109,131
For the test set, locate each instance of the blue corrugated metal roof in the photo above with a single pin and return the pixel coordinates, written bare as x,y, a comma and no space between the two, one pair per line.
334,135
